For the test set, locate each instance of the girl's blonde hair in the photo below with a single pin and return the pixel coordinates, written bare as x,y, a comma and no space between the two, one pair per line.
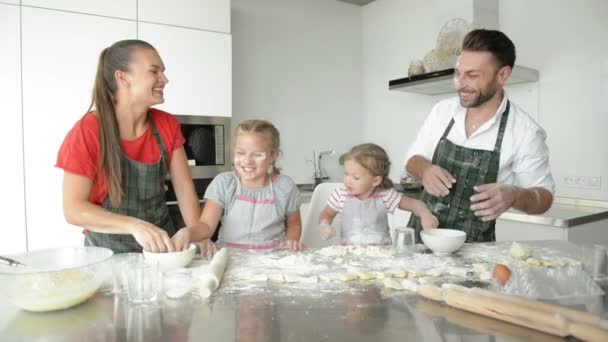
265,128
116,57
374,159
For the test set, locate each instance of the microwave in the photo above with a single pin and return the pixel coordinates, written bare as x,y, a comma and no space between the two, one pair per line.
207,144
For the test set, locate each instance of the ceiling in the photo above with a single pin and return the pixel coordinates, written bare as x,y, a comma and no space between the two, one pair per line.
358,2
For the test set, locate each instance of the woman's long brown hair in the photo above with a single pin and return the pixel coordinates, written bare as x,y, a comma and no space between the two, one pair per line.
111,59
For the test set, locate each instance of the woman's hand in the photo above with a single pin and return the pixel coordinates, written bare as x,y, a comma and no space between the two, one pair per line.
181,239
429,221
151,238
208,249
292,244
326,230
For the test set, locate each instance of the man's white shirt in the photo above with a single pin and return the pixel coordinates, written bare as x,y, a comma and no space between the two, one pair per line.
524,156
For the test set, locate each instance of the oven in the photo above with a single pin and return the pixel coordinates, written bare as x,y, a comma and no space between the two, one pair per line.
207,148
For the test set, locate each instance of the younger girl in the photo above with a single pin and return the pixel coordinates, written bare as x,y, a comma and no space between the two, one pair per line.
258,207
366,198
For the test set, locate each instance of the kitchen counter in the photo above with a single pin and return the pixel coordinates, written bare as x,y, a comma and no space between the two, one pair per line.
564,213
364,311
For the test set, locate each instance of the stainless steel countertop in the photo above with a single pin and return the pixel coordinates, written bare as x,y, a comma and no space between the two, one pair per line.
363,313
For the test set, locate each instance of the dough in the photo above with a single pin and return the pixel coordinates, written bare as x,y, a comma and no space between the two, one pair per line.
398,273
276,278
260,278
457,271
393,284
211,280
487,275
366,275
533,262
428,280
346,276
435,272
53,291
328,277
409,284
480,268
520,252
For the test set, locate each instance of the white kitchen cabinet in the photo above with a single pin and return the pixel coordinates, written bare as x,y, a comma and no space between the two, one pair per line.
60,53
126,9
199,69
12,202
210,15
11,2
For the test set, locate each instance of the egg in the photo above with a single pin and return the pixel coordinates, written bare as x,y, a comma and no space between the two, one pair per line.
502,274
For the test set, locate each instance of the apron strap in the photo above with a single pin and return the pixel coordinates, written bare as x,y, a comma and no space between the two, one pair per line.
501,128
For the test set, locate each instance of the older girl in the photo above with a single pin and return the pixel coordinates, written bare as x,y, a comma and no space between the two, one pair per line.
259,208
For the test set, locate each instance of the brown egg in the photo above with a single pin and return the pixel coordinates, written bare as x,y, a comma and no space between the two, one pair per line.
502,274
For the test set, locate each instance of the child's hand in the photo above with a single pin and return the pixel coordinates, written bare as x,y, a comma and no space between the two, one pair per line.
429,221
292,244
208,249
327,231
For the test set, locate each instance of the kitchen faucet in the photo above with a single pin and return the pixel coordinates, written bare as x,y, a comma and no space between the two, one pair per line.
320,175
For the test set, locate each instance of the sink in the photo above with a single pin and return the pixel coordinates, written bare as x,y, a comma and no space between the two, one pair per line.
306,187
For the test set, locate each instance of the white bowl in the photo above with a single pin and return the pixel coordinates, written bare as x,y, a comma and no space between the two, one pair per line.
443,241
171,261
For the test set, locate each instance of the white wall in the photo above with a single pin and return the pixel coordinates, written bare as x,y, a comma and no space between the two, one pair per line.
564,40
394,33
298,64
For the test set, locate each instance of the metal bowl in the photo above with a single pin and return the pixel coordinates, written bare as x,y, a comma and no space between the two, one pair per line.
55,279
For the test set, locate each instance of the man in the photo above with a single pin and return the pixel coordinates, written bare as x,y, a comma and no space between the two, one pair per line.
479,154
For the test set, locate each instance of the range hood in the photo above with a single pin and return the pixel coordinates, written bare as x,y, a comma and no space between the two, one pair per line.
441,82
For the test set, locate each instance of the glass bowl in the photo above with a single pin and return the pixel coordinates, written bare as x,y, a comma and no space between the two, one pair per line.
55,279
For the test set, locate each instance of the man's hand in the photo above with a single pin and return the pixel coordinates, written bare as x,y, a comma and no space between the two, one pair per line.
437,181
492,200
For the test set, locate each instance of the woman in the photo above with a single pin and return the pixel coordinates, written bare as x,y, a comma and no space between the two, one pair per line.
115,159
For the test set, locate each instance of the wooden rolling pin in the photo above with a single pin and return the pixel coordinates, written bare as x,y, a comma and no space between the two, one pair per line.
484,324
531,315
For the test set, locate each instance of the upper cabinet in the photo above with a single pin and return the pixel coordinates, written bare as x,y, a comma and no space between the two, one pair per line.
126,9
198,66
12,200
60,54
441,82
210,15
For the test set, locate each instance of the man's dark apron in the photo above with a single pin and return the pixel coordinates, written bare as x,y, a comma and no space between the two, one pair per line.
470,167
144,198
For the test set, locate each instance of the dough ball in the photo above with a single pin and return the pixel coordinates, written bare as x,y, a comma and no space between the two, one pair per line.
520,252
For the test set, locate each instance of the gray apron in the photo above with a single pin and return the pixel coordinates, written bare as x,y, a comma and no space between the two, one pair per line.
252,222
470,167
364,222
144,198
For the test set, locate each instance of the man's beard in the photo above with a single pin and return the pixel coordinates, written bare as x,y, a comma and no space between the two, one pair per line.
482,96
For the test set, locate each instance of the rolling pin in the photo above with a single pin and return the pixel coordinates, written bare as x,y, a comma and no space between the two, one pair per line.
211,280
527,315
486,325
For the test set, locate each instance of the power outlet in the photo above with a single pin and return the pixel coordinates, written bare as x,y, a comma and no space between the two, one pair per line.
584,182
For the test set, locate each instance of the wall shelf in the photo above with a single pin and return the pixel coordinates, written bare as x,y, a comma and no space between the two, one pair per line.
440,82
